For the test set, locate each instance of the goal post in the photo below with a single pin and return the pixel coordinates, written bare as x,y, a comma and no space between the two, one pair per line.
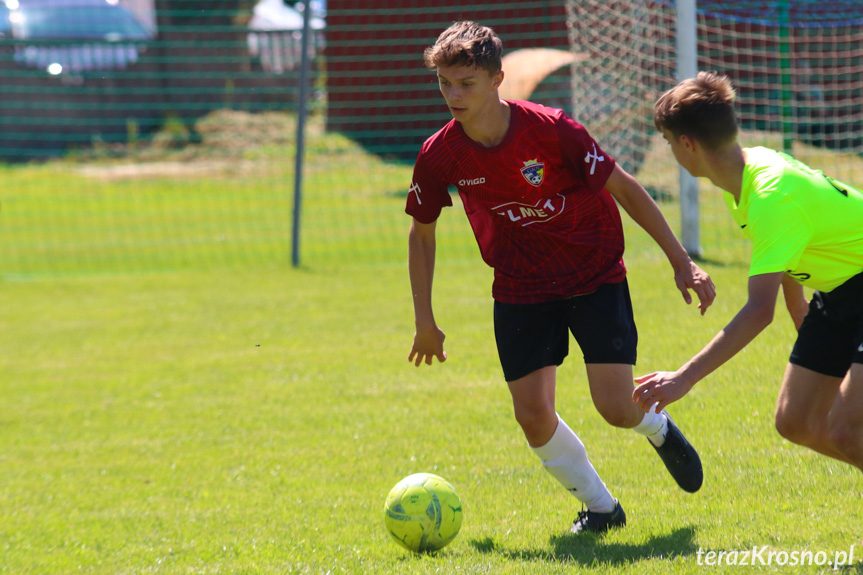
797,66
687,67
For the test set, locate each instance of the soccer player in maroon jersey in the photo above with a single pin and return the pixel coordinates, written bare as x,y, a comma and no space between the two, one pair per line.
540,195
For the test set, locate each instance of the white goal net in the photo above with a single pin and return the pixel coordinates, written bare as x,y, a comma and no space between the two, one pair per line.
797,66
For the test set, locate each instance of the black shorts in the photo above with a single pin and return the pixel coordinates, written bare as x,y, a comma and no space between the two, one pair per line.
831,336
533,336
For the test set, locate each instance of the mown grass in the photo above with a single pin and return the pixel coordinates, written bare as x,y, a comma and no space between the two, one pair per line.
195,405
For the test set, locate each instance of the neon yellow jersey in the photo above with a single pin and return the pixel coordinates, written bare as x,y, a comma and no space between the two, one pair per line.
800,221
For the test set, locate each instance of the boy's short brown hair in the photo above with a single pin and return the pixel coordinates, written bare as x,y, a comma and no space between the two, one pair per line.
466,44
700,107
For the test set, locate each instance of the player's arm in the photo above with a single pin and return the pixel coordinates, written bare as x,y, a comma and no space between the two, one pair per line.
428,339
795,301
633,198
665,387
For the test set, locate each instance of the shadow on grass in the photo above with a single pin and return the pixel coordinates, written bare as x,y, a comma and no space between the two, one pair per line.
854,569
590,550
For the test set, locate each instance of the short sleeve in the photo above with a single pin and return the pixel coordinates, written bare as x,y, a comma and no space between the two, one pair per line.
428,193
780,232
583,155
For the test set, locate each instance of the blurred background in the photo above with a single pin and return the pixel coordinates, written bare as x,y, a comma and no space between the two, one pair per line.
162,134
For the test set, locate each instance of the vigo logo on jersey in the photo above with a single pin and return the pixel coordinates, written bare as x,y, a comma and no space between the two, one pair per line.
527,214
534,172
799,276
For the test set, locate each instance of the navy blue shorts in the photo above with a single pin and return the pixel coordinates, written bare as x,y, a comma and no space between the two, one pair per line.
831,336
533,336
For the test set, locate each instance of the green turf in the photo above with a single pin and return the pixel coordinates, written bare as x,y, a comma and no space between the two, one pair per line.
254,422
246,417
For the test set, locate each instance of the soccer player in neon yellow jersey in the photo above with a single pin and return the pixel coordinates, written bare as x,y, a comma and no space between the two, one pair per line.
806,228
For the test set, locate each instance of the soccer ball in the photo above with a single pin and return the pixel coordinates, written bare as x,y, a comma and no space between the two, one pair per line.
423,512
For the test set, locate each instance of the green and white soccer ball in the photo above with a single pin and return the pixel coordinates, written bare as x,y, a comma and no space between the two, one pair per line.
423,512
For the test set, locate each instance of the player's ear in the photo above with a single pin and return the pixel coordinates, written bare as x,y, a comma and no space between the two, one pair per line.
497,79
688,142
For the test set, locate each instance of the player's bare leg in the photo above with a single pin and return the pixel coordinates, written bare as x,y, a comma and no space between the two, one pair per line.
803,409
846,417
562,453
533,404
611,389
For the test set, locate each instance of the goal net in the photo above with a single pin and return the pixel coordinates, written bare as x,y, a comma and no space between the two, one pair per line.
797,66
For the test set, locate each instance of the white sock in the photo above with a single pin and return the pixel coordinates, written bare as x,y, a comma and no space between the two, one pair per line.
565,458
654,426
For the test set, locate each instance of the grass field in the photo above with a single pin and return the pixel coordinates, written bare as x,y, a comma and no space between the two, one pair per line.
245,417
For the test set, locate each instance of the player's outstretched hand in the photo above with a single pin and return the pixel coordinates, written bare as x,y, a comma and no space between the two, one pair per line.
428,344
659,389
692,277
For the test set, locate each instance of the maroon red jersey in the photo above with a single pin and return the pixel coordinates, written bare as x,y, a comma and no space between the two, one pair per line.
536,203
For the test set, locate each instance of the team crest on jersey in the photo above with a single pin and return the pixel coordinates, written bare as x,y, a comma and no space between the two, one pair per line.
534,172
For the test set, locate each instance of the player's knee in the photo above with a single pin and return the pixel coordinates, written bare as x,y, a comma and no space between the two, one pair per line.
848,439
535,418
791,428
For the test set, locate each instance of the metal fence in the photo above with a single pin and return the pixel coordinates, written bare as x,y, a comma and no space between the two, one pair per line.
162,134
